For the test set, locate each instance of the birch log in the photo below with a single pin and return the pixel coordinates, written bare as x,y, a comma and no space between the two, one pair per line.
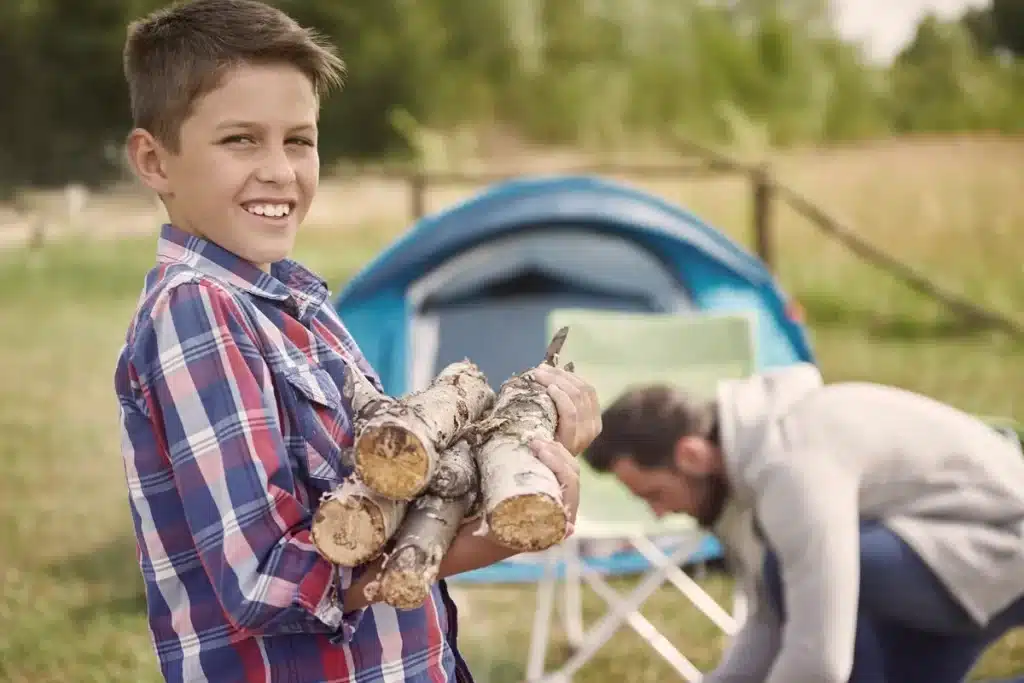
423,540
521,499
353,522
457,472
429,527
396,450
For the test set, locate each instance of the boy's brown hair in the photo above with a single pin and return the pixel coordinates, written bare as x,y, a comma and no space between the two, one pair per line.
179,53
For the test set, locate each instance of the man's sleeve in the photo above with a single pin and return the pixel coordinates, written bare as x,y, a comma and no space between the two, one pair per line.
208,392
808,514
750,654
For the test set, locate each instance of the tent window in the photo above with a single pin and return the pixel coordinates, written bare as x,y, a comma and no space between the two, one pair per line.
529,285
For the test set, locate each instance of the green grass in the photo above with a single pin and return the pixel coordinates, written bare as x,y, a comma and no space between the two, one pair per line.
71,605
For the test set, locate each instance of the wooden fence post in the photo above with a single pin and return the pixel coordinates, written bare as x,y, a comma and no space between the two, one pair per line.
418,194
763,226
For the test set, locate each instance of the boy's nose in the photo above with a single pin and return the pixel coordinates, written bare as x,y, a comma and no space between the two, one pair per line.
276,168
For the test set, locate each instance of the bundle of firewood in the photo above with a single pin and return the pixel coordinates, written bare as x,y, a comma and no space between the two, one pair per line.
427,462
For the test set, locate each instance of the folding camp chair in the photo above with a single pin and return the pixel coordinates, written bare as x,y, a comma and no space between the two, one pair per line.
614,351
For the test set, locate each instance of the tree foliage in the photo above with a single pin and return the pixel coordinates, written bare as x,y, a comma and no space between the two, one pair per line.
581,72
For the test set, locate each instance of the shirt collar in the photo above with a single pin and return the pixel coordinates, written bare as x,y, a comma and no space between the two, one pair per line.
287,280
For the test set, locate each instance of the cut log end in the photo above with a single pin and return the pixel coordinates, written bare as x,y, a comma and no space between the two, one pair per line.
400,441
352,527
528,523
425,536
393,461
408,579
521,497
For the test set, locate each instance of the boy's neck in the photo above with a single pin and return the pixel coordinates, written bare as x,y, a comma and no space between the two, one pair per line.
265,267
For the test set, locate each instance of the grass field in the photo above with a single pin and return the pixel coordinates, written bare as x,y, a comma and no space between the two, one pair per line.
71,607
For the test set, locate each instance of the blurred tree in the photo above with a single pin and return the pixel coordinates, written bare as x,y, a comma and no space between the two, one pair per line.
581,72
941,82
998,26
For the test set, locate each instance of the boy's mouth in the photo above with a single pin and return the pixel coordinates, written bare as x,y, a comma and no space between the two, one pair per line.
265,209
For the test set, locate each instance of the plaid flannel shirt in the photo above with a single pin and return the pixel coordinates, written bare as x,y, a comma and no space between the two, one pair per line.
232,428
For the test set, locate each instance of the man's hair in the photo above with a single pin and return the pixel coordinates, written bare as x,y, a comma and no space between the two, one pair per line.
179,53
645,423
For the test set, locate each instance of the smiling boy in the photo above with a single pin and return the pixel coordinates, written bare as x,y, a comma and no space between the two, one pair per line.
232,421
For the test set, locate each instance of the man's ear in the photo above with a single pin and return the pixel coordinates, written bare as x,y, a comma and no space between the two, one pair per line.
148,160
694,456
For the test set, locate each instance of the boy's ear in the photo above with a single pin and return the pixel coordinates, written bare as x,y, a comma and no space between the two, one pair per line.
147,158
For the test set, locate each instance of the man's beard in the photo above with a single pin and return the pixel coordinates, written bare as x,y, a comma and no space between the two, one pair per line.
713,493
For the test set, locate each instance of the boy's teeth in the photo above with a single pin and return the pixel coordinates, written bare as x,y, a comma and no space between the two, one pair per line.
271,210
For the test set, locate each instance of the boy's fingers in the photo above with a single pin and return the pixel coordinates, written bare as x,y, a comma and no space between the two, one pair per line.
568,417
562,464
590,407
579,407
567,472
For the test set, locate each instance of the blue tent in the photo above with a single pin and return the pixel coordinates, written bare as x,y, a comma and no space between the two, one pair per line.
478,280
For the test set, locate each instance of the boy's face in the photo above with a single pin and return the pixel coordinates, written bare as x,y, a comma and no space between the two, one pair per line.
247,166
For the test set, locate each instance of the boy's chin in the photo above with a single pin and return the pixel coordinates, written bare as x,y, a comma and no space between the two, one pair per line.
263,252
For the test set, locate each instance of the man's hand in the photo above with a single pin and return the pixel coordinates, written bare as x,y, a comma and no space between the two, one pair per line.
579,411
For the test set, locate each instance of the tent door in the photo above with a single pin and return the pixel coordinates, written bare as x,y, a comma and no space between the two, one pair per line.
490,303
502,329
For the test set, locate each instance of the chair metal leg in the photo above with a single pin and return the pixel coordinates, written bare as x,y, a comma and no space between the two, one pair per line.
542,619
605,628
687,586
645,630
572,603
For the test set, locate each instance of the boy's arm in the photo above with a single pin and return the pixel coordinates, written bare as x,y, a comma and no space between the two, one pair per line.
207,391
466,553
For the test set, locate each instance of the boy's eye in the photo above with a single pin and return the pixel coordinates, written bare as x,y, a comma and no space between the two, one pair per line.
236,139
246,140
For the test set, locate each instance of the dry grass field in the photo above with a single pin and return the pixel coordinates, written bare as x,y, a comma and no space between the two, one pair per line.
71,607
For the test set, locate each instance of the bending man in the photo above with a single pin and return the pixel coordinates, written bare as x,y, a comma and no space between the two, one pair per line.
888,527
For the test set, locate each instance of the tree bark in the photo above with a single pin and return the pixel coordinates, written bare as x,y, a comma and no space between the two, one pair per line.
364,399
429,527
396,450
457,473
521,498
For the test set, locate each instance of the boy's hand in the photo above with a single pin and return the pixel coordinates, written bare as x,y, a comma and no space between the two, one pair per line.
579,411
566,469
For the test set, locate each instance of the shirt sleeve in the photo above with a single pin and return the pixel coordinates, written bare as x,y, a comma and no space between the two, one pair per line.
208,391
749,655
809,516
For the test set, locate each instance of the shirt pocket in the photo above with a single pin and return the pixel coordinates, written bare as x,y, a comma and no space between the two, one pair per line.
320,427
